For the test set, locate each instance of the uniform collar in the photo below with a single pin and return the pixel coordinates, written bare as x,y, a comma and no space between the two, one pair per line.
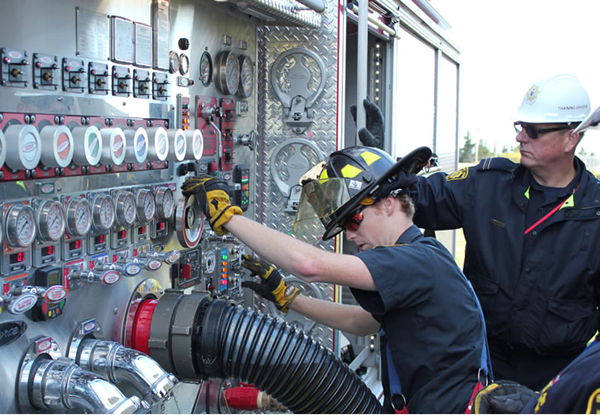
409,235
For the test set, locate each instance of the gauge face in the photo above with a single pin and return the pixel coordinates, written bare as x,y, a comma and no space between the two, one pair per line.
184,64
173,62
125,208
20,226
103,213
164,203
79,217
246,77
206,69
51,221
146,206
228,73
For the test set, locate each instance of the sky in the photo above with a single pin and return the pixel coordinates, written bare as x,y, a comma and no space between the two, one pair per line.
506,45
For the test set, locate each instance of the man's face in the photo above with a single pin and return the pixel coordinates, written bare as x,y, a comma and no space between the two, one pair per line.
545,150
368,233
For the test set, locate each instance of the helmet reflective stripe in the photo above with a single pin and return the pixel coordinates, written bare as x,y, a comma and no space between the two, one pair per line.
349,171
370,158
559,99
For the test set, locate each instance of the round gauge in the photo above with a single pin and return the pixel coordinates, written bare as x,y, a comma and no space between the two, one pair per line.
51,220
79,216
146,206
173,62
164,203
227,76
246,77
125,212
206,69
20,226
184,64
103,213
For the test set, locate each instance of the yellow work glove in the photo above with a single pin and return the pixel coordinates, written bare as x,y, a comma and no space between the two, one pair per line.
212,194
272,286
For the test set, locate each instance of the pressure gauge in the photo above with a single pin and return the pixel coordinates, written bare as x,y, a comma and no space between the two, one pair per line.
79,216
206,69
146,206
20,226
246,77
125,211
173,62
184,64
51,220
164,203
228,73
103,213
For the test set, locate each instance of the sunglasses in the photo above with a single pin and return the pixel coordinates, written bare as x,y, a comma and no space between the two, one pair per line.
533,132
352,222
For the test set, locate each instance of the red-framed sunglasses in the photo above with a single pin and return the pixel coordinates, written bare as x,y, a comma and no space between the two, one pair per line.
352,222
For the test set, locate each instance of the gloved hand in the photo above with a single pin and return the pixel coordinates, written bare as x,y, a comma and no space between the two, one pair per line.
272,286
502,397
371,136
213,199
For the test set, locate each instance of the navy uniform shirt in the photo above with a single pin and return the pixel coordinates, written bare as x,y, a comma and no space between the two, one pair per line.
430,318
540,292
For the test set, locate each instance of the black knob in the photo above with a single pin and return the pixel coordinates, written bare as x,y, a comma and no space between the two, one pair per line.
184,43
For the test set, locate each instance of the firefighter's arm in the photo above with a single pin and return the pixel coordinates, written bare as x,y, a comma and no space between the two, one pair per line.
348,318
300,259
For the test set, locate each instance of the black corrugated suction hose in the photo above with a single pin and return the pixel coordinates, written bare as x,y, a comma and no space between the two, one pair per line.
280,360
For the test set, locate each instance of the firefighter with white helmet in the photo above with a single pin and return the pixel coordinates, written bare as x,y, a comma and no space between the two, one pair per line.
406,284
531,232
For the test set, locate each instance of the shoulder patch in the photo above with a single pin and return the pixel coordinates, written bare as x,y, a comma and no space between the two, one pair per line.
593,405
458,175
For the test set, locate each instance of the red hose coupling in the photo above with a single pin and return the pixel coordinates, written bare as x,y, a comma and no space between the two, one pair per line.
243,398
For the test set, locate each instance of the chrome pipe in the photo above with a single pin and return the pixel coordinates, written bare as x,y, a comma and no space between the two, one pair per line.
120,364
60,385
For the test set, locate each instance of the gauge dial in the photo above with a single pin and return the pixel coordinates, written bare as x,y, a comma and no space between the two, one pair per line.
51,221
246,77
173,62
206,69
228,73
125,212
184,64
103,213
79,216
20,226
164,203
146,206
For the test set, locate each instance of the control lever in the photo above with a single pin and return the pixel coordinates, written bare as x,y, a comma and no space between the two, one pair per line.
128,269
169,258
20,299
213,237
109,277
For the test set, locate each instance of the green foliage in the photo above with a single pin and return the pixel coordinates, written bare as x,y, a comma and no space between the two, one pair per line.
466,154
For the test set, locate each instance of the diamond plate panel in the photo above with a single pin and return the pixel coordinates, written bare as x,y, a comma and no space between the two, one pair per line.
272,41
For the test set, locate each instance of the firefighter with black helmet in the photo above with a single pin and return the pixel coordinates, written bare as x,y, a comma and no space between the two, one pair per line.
407,285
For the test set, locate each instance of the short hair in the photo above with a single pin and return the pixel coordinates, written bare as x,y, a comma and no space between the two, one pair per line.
407,205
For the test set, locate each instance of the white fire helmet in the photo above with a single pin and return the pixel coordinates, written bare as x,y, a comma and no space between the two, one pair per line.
559,99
